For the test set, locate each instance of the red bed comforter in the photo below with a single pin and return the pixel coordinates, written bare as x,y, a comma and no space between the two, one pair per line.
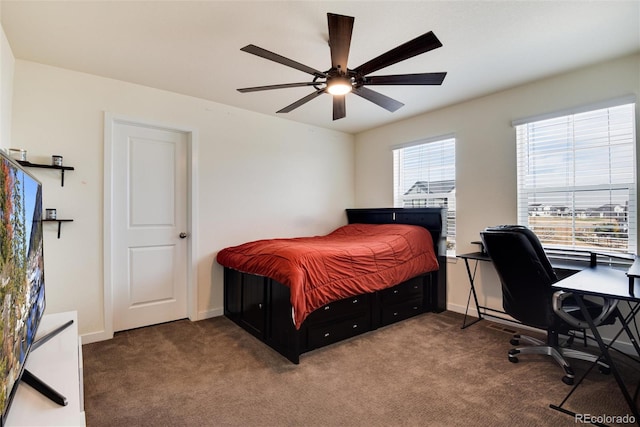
352,260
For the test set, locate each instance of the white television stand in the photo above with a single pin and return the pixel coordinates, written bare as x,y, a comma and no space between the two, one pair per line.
58,363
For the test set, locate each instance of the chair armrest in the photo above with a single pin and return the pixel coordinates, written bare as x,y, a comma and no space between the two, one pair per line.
608,306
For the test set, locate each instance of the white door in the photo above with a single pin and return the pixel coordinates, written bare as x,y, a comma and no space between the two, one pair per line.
149,261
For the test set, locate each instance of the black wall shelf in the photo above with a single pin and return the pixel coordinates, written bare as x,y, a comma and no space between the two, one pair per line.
38,165
59,221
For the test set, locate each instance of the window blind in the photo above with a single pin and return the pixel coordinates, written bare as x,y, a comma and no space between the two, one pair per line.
577,179
424,176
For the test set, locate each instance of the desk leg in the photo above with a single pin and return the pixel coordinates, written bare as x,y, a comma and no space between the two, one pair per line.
472,291
625,325
604,348
605,353
575,386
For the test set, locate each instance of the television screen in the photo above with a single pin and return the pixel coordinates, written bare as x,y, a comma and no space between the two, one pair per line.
22,299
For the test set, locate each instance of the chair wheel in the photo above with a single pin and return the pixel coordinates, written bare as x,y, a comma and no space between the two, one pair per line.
567,380
605,370
514,341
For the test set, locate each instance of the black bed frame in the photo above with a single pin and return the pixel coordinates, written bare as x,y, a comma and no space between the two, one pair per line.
262,307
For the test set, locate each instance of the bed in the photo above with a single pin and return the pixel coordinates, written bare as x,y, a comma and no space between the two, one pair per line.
297,295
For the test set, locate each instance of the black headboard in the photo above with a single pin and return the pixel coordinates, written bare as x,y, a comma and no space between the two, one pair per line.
433,219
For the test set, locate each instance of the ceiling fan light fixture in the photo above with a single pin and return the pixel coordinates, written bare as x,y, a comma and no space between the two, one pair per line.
340,80
339,86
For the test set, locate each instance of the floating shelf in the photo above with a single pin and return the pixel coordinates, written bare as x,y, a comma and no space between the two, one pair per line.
38,165
59,221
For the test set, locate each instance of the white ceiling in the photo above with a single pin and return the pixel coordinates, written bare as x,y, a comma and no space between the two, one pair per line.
193,47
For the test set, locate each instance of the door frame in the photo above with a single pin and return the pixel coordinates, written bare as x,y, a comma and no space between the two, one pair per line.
110,121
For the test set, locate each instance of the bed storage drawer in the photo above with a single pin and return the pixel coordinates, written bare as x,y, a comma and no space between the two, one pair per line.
321,335
409,290
347,307
398,312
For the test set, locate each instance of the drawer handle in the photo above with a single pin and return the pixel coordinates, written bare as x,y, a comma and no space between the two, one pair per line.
355,325
327,307
260,306
326,334
355,301
395,313
395,291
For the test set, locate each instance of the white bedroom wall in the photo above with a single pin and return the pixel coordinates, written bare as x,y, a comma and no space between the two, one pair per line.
7,64
485,155
258,177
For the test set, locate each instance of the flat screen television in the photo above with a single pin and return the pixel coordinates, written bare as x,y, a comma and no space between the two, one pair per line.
22,299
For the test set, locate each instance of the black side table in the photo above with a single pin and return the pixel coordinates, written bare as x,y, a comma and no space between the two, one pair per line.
477,257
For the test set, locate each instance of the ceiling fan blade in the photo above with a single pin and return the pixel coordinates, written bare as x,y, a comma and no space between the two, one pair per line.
340,29
406,79
301,101
281,86
377,98
281,60
421,44
339,107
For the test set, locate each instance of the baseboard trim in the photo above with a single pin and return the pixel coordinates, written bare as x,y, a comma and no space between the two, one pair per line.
207,314
98,336
92,337
623,346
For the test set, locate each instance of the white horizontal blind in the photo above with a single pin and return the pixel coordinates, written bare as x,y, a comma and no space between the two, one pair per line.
577,179
424,176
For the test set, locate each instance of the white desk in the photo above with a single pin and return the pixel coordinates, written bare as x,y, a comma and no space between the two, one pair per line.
58,362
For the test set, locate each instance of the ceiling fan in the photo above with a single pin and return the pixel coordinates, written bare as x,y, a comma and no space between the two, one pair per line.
340,80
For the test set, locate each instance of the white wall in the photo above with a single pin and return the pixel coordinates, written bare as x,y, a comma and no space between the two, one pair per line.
261,176
7,64
258,176
485,155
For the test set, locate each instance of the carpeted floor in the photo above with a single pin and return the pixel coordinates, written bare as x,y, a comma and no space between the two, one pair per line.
424,371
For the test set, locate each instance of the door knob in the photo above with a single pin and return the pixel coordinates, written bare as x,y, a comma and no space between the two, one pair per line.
183,235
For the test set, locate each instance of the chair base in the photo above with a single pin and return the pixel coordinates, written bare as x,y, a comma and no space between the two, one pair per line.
559,354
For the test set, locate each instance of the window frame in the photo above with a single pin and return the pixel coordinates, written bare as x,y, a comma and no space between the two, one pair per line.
450,196
575,188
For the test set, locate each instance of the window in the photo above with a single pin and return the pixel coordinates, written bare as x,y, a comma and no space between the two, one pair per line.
424,175
577,179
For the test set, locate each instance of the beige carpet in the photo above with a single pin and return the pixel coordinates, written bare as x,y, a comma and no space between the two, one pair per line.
425,371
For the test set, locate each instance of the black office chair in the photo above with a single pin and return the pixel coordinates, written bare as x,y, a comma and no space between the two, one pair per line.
526,276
